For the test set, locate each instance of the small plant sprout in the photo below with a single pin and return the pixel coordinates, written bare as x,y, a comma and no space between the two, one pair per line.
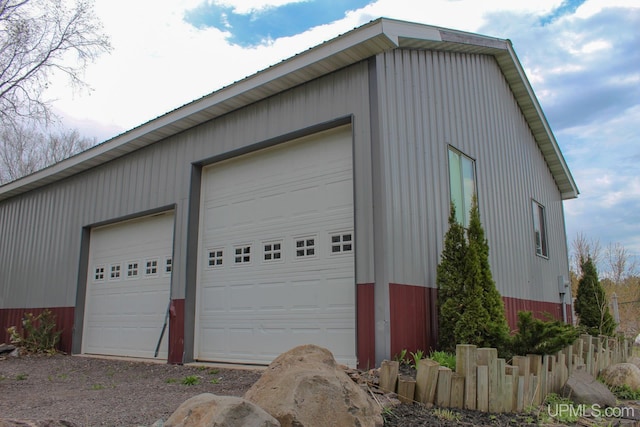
401,357
191,380
446,414
171,381
215,380
213,371
417,356
21,377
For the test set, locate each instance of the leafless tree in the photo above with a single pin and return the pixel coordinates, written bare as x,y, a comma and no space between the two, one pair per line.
583,248
619,263
39,38
26,149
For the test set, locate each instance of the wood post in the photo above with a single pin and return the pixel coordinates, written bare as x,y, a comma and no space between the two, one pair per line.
443,389
406,388
457,390
426,380
389,375
466,356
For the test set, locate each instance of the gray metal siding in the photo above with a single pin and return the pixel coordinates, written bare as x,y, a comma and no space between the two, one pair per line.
41,230
430,100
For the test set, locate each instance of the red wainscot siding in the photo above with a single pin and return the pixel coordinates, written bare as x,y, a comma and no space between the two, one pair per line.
414,320
63,317
540,309
365,324
176,331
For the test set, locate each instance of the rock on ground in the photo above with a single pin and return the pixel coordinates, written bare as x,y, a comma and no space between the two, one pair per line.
635,360
622,374
209,410
305,387
583,388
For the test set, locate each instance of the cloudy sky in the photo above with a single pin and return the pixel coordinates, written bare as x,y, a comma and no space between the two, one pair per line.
582,59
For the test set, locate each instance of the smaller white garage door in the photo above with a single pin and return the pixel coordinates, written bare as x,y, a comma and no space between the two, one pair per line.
276,257
128,287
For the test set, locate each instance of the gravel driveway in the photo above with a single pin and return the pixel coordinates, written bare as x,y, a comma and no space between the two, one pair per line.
107,392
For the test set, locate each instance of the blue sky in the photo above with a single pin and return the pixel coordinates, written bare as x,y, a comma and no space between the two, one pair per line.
581,57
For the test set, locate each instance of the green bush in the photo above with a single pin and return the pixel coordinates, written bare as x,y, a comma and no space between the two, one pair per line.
537,336
38,335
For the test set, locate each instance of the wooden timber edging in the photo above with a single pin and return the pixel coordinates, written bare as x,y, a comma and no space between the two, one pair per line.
483,381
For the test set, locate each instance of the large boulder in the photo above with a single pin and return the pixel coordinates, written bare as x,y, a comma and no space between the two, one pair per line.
622,374
635,360
583,388
305,387
209,410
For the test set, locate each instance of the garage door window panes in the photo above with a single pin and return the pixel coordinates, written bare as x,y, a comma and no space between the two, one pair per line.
132,270
242,254
305,247
168,265
341,243
272,251
151,268
99,276
114,273
215,258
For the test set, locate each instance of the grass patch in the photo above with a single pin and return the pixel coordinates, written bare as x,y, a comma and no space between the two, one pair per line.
214,380
555,411
446,414
97,387
624,392
21,377
171,381
191,380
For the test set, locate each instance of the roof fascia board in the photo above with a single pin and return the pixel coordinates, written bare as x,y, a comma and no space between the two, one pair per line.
569,189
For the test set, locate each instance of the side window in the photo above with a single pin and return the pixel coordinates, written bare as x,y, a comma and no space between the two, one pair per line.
168,265
462,183
540,229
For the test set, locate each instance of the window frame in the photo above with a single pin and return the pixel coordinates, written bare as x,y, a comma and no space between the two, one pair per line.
540,228
464,165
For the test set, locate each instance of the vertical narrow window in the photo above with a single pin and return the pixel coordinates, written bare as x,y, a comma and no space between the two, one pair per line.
168,265
462,183
540,229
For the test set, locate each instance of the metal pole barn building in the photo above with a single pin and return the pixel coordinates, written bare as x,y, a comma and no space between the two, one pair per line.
304,204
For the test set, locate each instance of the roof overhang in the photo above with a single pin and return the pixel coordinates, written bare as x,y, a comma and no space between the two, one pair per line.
347,49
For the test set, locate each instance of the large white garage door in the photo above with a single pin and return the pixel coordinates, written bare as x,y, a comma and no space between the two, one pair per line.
128,287
276,252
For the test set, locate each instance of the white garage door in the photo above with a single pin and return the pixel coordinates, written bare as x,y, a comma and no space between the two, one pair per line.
128,287
276,252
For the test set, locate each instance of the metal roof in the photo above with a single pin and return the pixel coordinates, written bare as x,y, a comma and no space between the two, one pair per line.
354,46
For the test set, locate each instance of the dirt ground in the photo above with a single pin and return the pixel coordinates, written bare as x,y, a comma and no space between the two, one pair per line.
86,391
90,391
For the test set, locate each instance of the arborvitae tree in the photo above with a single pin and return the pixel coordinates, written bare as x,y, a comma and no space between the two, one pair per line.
497,328
470,308
591,303
449,280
